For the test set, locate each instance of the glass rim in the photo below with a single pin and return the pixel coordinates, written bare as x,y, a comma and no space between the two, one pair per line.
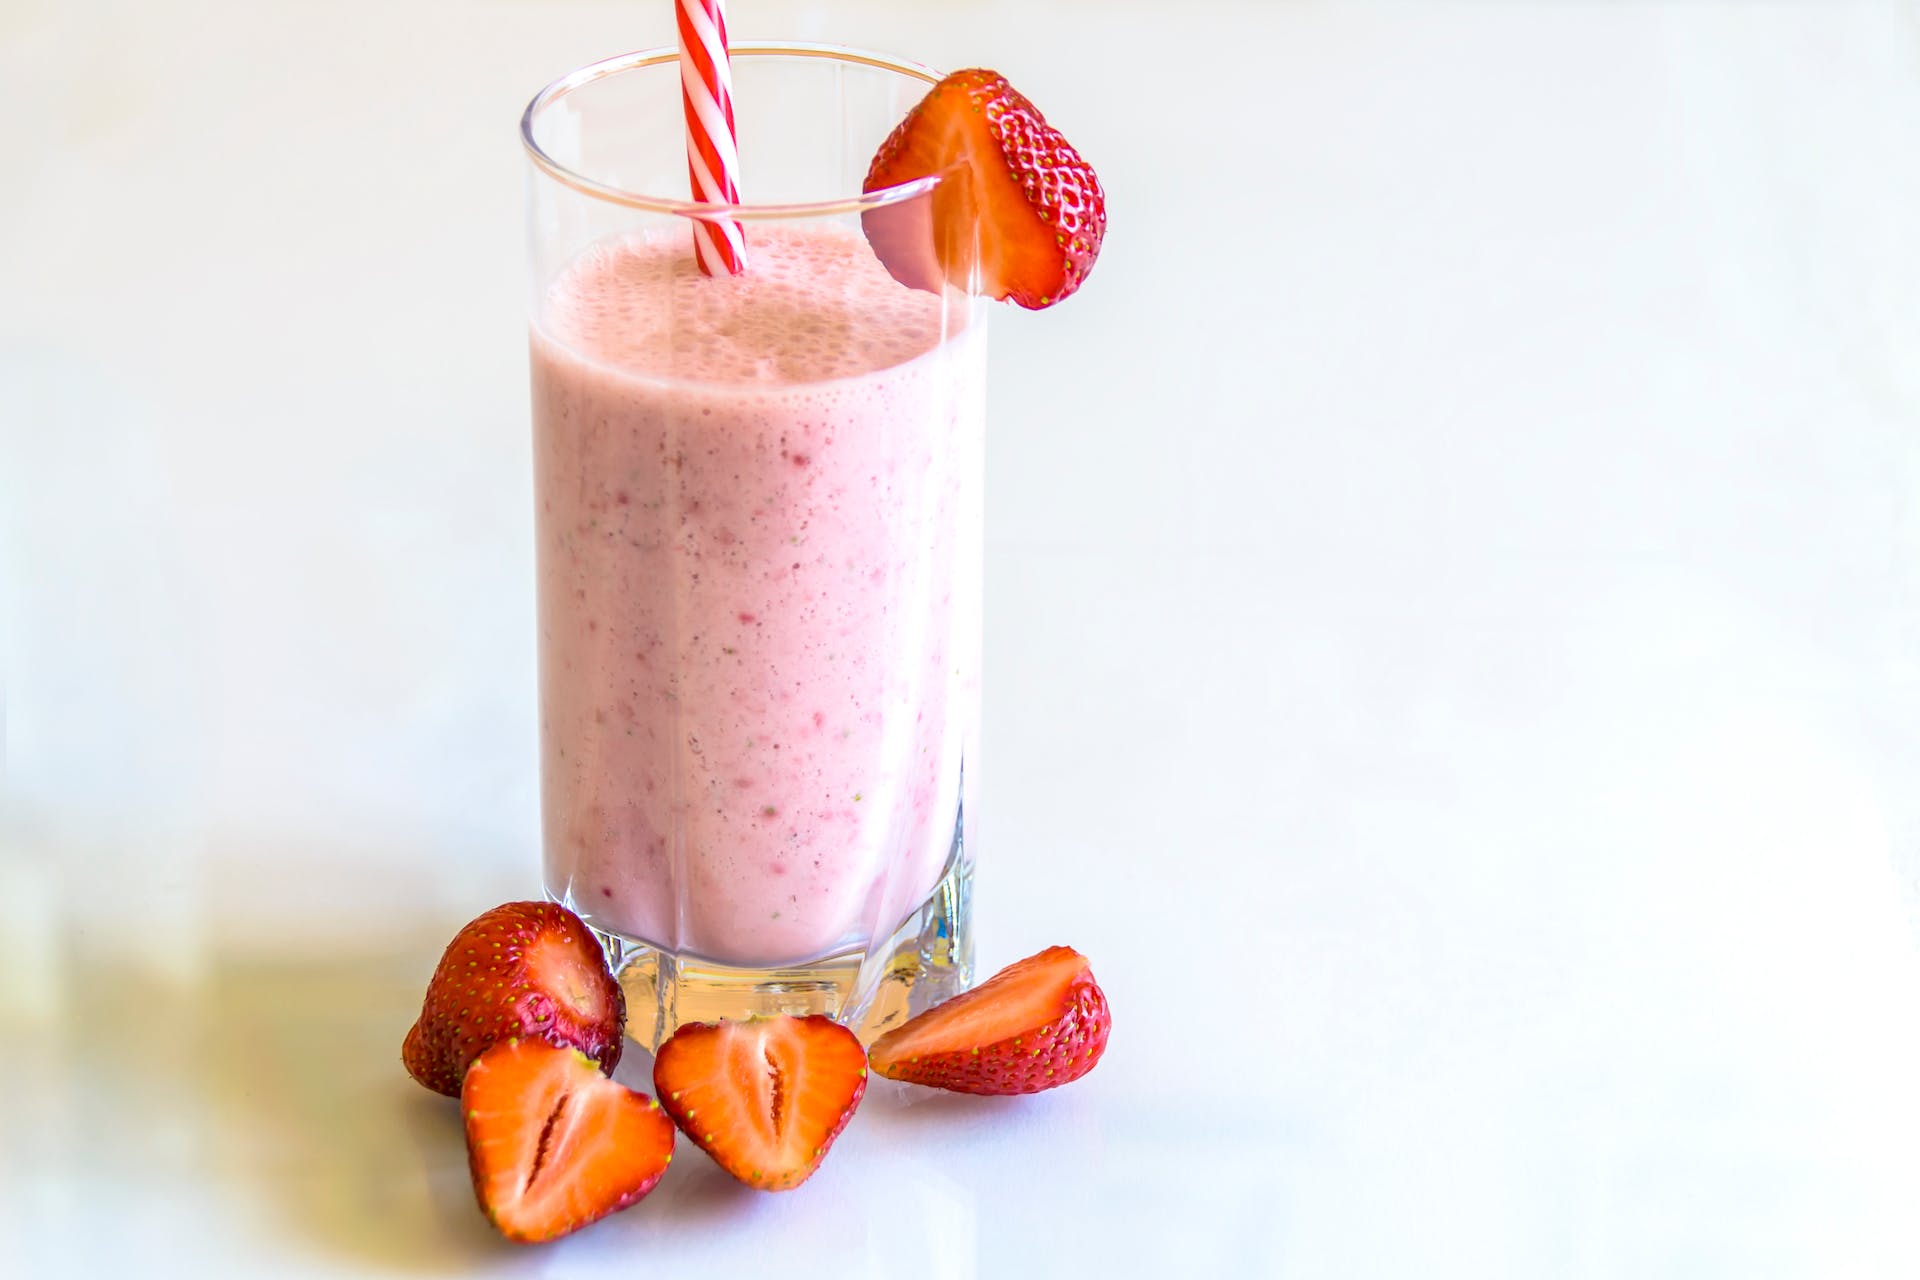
641,59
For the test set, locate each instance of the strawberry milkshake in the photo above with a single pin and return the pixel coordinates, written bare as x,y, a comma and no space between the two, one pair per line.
758,507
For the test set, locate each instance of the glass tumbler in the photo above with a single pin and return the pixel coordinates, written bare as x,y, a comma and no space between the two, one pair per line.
758,517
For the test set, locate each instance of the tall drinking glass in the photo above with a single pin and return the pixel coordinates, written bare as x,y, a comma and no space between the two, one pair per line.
758,519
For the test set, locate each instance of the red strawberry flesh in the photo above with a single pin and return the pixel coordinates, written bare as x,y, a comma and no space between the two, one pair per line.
523,969
552,1144
1017,212
765,1097
1037,1024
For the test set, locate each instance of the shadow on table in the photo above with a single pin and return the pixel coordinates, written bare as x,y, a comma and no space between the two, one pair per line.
265,1081
278,1078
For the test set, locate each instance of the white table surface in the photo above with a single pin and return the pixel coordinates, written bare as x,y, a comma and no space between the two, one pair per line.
1453,657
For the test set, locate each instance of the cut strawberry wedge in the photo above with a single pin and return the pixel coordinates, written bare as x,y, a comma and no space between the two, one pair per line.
1037,1024
1017,213
765,1097
552,1144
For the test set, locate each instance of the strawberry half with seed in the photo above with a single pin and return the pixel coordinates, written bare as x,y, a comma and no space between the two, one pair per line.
1038,1023
552,1144
1016,203
765,1097
524,969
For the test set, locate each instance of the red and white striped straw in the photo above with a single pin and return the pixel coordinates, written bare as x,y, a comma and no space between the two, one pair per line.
713,159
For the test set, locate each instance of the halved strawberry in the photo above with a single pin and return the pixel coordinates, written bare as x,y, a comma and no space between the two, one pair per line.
765,1097
523,969
1038,1023
1017,201
552,1144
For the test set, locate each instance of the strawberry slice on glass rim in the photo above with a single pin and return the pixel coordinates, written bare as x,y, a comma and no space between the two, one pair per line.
1017,215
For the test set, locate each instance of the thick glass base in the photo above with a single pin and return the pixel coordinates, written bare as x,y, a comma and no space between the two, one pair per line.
927,959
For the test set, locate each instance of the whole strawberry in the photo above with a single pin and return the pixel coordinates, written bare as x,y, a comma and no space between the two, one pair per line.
1037,1024
527,969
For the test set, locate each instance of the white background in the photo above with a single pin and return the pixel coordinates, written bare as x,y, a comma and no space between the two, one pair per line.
1453,654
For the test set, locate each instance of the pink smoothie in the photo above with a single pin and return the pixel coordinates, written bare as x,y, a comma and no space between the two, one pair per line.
758,534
